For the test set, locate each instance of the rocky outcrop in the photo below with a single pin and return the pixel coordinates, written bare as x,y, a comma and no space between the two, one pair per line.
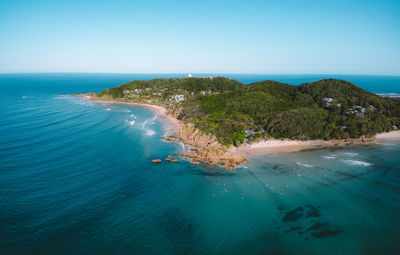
87,95
206,148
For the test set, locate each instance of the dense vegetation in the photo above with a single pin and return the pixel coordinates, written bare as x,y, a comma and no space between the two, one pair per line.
236,112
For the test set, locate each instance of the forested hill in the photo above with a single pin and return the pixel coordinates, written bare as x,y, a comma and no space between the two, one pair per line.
235,112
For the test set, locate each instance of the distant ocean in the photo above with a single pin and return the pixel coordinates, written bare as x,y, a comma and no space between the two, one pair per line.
75,179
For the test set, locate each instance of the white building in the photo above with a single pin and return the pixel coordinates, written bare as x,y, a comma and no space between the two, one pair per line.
177,98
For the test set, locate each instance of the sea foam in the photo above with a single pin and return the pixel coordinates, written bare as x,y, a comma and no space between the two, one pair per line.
305,165
150,132
351,154
355,162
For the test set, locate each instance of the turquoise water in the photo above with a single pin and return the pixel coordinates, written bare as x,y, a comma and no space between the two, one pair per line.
74,178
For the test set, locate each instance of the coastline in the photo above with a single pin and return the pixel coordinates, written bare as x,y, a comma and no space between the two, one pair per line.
158,110
200,149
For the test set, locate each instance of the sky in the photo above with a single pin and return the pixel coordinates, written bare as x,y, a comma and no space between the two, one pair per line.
227,36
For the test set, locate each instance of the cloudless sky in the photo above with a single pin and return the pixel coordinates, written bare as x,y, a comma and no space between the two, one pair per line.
228,36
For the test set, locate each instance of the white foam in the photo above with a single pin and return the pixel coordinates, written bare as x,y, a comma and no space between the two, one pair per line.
108,109
133,116
131,123
305,165
388,144
356,162
351,154
144,123
388,94
57,97
329,157
150,132
23,97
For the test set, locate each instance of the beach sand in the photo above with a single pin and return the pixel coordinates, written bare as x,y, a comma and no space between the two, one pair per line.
276,146
394,135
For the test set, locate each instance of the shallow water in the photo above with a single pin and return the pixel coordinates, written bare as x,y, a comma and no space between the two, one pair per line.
75,178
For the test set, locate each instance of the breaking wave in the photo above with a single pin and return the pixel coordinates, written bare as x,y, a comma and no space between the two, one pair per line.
351,154
150,132
388,94
305,165
356,162
329,157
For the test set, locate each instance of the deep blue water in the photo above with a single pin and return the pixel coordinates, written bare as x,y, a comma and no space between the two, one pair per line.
74,178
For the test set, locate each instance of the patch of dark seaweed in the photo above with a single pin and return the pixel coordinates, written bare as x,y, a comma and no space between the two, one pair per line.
293,215
292,229
317,225
325,233
313,211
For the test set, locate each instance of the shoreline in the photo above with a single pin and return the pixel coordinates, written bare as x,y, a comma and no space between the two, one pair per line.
230,159
158,110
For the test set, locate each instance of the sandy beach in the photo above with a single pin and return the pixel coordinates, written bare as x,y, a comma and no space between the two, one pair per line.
276,145
394,135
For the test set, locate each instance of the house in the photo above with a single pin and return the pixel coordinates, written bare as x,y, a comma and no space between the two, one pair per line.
328,100
177,98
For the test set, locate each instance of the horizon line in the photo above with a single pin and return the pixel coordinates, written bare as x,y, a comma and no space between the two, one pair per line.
216,73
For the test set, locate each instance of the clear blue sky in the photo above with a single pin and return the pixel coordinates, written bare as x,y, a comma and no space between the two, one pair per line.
232,36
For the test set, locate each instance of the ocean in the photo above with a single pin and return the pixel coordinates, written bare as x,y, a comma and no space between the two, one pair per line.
75,179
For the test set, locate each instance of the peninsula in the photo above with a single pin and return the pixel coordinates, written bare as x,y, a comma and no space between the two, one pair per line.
220,118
